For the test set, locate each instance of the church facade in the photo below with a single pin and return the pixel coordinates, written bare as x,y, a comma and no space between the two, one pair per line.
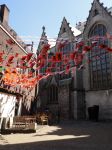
97,76
62,93
72,94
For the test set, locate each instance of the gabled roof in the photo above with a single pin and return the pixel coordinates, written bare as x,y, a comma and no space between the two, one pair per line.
91,12
65,27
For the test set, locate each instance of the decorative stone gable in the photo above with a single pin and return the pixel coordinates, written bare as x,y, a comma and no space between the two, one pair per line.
65,30
97,14
43,40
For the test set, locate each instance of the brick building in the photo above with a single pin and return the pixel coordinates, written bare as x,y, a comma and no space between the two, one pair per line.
11,45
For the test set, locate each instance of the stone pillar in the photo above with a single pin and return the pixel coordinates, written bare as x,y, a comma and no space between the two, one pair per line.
74,104
78,105
63,99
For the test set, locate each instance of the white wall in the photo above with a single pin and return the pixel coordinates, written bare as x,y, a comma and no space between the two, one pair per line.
7,108
7,105
103,99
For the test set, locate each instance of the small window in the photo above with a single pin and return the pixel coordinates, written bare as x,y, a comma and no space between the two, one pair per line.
95,12
64,30
53,94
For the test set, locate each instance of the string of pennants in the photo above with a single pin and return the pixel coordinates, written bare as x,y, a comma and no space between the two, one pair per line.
25,71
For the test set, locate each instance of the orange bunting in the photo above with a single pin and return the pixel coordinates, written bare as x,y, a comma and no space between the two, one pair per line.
103,46
86,48
10,42
23,57
109,49
79,45
48,70
67,69
55,63
58,56
60,45
29,55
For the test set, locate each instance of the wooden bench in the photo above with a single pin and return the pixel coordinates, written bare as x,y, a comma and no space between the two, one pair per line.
23,122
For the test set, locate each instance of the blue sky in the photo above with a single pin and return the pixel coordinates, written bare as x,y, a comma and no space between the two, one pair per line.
28,16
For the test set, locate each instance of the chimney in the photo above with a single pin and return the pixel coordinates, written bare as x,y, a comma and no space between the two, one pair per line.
4,14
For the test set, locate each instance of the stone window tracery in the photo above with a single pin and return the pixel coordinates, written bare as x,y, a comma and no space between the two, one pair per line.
100,64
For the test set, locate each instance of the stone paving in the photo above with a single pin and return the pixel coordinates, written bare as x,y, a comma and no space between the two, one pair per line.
68,135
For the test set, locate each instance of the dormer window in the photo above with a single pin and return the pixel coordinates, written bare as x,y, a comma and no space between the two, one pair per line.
95,12
64,30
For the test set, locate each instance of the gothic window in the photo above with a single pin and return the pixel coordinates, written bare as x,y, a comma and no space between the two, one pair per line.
67,48
53,94
99,67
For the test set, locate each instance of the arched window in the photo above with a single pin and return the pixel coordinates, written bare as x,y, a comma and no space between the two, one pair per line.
99,66
98,30
53,94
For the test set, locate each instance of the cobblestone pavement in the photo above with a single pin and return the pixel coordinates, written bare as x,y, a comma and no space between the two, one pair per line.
68,135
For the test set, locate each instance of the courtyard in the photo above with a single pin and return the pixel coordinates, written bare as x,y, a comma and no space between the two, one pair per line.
68,135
